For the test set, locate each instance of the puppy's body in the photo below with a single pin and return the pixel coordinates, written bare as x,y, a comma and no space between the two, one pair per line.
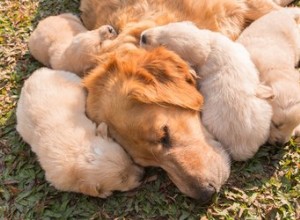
51,119
273,42
228,81
62,42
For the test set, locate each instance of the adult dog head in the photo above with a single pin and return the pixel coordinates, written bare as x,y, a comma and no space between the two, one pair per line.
151,105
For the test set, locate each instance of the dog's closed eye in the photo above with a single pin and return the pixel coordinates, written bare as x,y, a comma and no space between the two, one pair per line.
165,139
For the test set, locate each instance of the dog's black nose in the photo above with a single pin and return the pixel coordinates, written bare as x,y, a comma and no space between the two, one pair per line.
205,194
144,39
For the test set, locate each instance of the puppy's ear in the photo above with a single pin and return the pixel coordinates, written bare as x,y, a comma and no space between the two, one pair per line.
89,189
264,92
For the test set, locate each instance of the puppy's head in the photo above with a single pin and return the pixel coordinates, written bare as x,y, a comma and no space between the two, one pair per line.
150,102
286,111
184,38
107,168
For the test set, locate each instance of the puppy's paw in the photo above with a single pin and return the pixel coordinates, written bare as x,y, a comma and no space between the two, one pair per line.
296,134
264,92
104,195
107,32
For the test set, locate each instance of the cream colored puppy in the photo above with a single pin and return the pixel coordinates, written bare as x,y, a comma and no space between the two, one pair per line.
274,44
228,81
51,119
63,43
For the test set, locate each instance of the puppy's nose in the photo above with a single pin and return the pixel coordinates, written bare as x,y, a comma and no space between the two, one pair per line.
279,143
144,39
110,29
205,194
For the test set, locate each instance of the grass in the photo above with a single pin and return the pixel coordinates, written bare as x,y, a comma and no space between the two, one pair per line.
265,187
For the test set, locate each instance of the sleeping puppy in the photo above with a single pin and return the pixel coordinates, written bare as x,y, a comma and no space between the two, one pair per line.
62,42
51,119
229,82
273,42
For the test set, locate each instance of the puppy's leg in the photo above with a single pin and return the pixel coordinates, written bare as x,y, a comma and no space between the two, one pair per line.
264,92
102,130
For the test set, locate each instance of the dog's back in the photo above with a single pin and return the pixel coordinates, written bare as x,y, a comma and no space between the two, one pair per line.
51,119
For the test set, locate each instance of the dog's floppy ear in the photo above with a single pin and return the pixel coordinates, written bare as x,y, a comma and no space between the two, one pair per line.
166,80
264,92
95,82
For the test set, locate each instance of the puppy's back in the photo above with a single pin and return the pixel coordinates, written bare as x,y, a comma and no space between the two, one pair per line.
275,36
53,30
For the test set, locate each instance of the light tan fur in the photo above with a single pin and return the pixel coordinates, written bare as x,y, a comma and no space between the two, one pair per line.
274,44
63,43
51,119
228,80
151,105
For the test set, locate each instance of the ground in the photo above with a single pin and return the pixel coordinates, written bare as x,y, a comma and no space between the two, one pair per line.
265,187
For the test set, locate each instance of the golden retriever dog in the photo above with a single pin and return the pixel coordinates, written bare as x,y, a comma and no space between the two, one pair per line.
63,43
228,80
151,105
51,119
274,44
229,17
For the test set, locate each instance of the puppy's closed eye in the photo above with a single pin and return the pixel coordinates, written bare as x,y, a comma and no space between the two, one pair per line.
277,125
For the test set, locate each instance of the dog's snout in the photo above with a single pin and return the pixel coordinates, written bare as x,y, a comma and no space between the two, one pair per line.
205,194
144,39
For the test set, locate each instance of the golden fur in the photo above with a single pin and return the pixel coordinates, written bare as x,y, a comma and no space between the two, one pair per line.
51,119
226,16
63,43
152,109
